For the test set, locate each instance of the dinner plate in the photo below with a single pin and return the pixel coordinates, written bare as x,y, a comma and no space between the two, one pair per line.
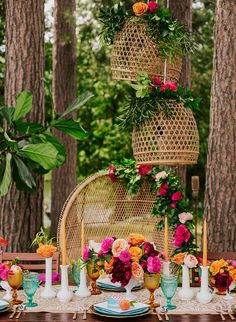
118,289
3,304
107,285
103,309
6,309
93,311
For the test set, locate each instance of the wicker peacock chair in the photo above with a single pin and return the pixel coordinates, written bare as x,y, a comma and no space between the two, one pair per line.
108,210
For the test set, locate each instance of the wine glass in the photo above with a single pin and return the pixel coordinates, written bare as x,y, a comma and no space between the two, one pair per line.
30,286
94,273
169,286
152,282
14,278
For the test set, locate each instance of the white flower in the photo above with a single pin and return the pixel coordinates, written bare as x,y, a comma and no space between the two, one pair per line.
190,261
161,175
185,216
95,246
118,246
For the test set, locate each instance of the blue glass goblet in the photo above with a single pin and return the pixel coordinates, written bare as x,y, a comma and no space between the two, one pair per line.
30,285
169,286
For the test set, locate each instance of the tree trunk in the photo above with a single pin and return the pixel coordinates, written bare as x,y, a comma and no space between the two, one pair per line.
182,11
21,212
220,201
64,92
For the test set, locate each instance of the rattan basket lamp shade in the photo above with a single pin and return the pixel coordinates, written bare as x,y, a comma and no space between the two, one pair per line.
167,141
134,51
108,210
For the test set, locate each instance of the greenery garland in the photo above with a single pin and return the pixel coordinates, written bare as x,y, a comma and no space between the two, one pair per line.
168,34
170,200
151,96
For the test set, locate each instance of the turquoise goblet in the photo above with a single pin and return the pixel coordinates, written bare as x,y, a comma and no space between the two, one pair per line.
169,286
30,285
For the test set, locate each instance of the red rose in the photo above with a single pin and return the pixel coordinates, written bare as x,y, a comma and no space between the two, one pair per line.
165,186
162,192
176,196
152,6
112,167
143,169
112,176
156,80
172,204
173,87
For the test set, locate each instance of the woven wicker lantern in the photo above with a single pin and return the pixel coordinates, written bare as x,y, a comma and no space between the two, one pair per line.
167,141
134,51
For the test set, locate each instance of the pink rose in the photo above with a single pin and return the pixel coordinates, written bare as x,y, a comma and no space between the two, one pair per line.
112,176
143,169
172,204
182,234
185,216
233,263
124,256
106,244
156,80
162,192
176,196
154,264
86,253
190,261
165,186
112,167
152,6
173,87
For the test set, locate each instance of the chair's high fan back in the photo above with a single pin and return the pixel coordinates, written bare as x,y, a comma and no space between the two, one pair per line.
108,210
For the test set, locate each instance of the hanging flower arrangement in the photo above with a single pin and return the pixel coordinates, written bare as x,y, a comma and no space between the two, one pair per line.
169,198
167,33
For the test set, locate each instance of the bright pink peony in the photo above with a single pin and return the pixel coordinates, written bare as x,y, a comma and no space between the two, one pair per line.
182,234
156,80
124,256
154,264
152,6
86,253
106,245
176,196
162,192
143,169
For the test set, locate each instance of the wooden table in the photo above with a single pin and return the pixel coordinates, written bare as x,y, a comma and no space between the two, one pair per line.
52,317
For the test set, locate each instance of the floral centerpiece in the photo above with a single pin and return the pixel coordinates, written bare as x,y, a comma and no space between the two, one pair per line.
222,274
167,33
169,198
152,96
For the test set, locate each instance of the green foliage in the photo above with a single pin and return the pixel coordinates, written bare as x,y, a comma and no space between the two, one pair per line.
42,237
169,35
27,147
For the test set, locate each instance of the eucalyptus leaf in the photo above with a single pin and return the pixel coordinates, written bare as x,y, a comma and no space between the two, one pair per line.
23,105
71,128
23,172
76,104
6,179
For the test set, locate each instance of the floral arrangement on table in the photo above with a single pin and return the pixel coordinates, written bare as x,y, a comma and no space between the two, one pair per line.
222,274
124,259
152,96
169,198
168,34
45,244
183,259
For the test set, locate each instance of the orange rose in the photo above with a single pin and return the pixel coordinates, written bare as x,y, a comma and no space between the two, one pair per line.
46,250
137,271
136,253
109,265
119,245
136,239
216,266
179,258
140,8
232,273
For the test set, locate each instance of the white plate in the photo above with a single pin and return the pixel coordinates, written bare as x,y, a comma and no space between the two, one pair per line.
137,308
3,304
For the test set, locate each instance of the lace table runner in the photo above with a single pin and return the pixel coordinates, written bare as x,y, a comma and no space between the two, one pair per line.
77,303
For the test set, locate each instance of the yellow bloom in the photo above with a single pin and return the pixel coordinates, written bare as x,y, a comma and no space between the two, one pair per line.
217,265
46,250
232,274
179,258
140,8
136,239
136,253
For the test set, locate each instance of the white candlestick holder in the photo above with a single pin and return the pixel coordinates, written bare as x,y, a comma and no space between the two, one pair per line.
48,292
64,295
185,293
166,268
204,296
83,290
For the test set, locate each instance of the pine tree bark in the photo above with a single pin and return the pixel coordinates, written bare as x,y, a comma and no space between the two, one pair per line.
182,11
20,212
64,92
220,201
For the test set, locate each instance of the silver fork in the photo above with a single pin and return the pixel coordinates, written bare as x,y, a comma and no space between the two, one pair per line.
157,314
21,309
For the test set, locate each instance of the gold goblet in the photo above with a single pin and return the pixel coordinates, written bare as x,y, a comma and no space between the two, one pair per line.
94,273
152,282
14,279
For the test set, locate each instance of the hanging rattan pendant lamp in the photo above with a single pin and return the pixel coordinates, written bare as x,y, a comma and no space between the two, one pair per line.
165,140
134,52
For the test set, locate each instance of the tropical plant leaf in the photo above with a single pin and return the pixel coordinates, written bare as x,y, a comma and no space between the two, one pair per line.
7,113
71,128
61,156
45,154
6,179
28,127
23,172
23,105
77,103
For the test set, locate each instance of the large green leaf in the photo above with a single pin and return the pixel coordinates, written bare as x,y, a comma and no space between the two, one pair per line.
7,113
23,105
77,103
6,179
23,172
28,127
45,154
71,128
61,156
